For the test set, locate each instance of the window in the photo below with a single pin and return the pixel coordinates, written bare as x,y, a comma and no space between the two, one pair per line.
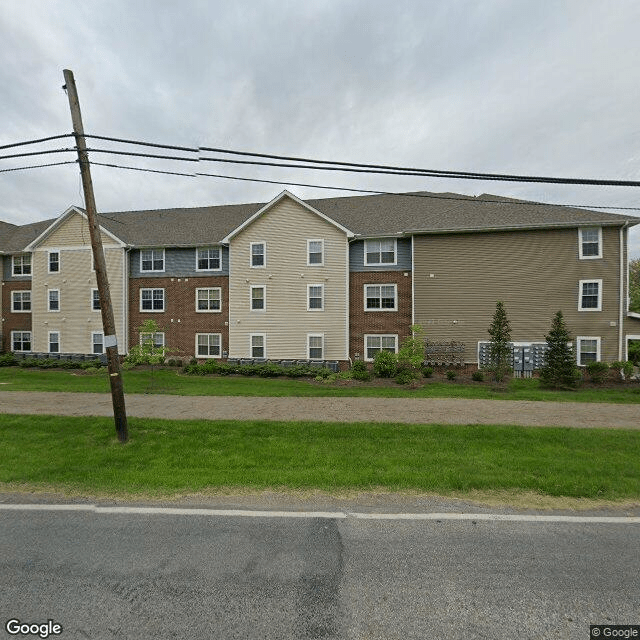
590,295
315,346
54,300
21,301
97,343
54,261
590,243
22,265
208,299
257,343
375,343
379,252
151,299
54,342
21,340
208,259
258,298
208,345
156,340
95,300
258,254
152,260
380,297
315,252
588,349
315,297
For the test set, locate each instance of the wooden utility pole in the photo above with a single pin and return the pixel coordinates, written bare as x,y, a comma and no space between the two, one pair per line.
108,323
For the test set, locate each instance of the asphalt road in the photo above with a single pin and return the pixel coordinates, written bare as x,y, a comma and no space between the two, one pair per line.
118,575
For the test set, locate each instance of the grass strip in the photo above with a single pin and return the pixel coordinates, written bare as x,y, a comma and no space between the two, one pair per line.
164,457
170,381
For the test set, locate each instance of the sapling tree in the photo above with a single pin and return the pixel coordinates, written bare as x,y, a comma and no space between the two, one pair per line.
560,368
500,350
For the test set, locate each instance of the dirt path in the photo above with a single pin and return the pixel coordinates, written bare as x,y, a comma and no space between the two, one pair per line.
408,410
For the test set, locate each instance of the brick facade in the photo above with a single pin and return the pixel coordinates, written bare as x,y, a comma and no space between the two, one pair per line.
13,321
180,321
363,322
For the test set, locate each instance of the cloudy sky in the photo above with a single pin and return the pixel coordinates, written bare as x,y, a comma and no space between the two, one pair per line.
501,86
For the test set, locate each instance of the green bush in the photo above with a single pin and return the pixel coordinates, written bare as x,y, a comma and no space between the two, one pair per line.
406,375
624,368
477,376
598,371
359,371
560,370
451,375
385,364
8,360
427,372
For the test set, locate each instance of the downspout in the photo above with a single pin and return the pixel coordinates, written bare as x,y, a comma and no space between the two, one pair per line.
125,301
622,296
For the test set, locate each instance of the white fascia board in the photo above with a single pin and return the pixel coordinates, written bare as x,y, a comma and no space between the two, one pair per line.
633,314
276,200
56,223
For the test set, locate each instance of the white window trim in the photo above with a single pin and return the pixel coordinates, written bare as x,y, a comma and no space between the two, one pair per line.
198,355
49,309
378,335
207,248
315,264
209,310
583,257
164,300
257,266
321,285
382,284
97,333
164,261
13,305
582,282
153,336
91,299
381,264
13,265
264,298
30,340
49,342
598,345
49,261
264,344
314,335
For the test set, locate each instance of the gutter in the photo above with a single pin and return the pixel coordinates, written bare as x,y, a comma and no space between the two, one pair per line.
623,301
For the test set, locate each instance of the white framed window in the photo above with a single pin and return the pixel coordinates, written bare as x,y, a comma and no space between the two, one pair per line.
378,252
258,298
21,301
590,243
381,297
54,262
154,339
590,295
315,297
21,341
208,345
97,342
374,343
208,300
22,265
315,346
152,300
95,300
315,253
152,260
209,259
258,345
54,342
54,300
588,349
258,257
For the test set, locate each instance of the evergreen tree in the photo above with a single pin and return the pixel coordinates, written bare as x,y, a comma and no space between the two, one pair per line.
500,350
560,368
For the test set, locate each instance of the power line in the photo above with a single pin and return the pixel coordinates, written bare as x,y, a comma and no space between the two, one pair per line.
36,153
38,166
20,144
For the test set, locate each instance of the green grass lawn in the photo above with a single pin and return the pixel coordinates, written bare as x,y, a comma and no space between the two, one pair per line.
172,381
165,457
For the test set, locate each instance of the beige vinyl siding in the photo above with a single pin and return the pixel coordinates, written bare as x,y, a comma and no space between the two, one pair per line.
286,322
75,321
73,232
535,273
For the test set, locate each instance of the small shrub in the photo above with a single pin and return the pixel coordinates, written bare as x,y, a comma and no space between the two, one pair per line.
406,375
598,371
8,360
624,368
385,364
477,376
427,372
359,371
451,375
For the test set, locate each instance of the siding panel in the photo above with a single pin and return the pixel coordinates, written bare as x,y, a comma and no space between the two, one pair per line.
356,257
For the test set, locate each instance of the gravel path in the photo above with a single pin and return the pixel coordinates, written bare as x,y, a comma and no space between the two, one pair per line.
408,410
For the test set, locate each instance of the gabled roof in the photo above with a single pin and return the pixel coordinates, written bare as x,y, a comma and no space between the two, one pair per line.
20,236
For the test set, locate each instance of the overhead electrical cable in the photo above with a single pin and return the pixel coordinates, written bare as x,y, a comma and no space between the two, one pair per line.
38,166
20,144
35,153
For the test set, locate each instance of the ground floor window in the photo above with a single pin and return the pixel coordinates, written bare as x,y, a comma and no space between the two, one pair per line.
375,343
208,345
315,346
258,345
97,343
588,349
155,339
633,349
21,340
54,342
